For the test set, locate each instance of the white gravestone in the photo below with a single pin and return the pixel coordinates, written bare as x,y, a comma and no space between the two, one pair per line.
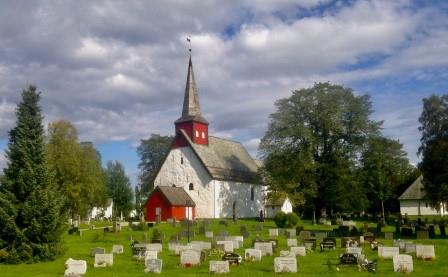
209,234
75,267
403,263
181,248
286,253
190,258
291,242
298,250
117,249
154,247
103,260
273,232
153,266
264,247
150,254
172,245
237,241
387,252
409,248
200,245
425,252
354,250
219,267
228,245
252,255
291,232
285,265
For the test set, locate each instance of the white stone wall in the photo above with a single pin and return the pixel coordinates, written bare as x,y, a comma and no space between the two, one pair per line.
271,211
181,174
287,206
228,192
410,207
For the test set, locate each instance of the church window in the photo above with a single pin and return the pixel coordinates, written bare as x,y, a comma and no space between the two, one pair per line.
173,185
252,193
181,160
191,186
203,135
197,134
426,204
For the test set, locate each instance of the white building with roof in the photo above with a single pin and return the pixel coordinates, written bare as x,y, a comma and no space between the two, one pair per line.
218,174
412,201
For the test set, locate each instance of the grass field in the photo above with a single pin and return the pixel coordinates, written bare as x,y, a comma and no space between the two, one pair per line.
314,264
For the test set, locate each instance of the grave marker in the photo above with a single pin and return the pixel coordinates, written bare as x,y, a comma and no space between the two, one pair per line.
409,248
75,267
285,265
273,232
387,252
291,242
422,235
189,258
304,235
219,267
425,252
227,245
389,236
117,249
299,250
252,255
153,265
103,260
97,250
403,263
264,247
209,234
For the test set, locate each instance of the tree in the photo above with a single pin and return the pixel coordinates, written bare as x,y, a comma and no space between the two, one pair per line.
384,167
434,149
31,205
77,168
151,151
312,144
119,188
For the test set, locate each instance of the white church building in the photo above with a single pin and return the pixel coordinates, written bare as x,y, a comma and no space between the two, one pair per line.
218,174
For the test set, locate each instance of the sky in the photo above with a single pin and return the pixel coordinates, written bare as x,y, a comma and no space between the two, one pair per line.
117,69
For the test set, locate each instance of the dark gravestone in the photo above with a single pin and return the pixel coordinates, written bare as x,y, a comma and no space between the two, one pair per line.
442,229
233,258
299,229
150,224
330,239
327,246
422,235
406,231
156,240
431,231
344,231
348,259
245,234
309,244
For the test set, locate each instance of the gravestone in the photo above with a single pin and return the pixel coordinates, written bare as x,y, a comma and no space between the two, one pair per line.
219,267
252,255
116,227
264,247
348,259
273,232
232,258
223,233
138,250
387,252
409,248
172,245
310,244
246,234
355,251
327,246
153,266
181,248
237,241
209,234
304,235
298,250
117,249
154,246
291,242
425,252
97,250
403,263
201,245
285,265
320,235
103,260
227,245
75,267
150,254
422,235
189,258
291,233
389,236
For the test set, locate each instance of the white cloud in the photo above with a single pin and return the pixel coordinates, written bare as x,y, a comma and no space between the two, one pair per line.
2,162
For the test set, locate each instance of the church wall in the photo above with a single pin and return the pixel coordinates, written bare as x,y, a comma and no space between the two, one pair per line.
228,192
183,167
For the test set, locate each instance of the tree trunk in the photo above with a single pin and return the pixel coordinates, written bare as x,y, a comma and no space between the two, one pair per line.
383,217
314,216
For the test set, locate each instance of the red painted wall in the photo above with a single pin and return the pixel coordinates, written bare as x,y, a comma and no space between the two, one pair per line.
190,128
156,199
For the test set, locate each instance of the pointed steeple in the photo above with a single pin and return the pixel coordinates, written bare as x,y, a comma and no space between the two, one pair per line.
191,110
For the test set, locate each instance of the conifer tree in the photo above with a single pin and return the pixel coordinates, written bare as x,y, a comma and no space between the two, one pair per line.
32,223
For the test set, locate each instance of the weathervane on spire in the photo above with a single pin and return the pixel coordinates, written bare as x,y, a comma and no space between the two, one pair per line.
189,42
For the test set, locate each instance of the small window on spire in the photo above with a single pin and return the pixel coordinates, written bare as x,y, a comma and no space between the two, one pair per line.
181,160
197,134
190,186
203,135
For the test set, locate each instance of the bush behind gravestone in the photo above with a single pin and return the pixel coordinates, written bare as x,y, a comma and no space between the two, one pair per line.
288,220
291,220
280,219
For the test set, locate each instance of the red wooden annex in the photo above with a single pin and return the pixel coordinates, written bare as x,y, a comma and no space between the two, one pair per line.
169,202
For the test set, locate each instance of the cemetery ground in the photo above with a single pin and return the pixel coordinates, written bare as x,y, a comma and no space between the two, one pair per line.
315,263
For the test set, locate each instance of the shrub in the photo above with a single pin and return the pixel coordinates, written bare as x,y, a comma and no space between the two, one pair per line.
280,219
291,220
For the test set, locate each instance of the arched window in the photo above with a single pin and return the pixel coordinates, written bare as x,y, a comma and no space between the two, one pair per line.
173,185
181,160
190,186
252,193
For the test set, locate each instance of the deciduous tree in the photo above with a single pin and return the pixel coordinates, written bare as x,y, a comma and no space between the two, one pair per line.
119,188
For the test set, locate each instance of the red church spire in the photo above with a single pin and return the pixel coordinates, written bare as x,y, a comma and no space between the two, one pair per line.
191,120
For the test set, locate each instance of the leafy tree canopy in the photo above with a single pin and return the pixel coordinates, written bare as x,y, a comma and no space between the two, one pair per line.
119,188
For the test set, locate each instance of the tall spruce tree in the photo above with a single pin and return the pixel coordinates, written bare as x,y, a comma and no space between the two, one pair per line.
32,223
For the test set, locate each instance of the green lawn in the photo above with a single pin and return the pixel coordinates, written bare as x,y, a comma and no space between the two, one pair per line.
314,264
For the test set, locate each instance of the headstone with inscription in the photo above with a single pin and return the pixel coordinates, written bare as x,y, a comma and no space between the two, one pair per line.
117,249
291,233
425,252
287,253
97,250
264,247
153,265
291,242
154,247
273,232
285,265
227,245
181,248
403,263
219,267
75,267
252,255
409,248
422,234
298,250
189,258
387,252
232,258
209,234
103,260
304,235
